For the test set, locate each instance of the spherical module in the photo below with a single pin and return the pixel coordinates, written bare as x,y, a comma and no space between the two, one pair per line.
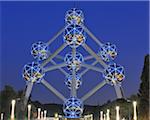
74,16
32,72
69,79
39,50
114,73
73,63
108,52
74,35
73,108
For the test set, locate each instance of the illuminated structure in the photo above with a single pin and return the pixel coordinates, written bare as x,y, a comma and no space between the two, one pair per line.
74,36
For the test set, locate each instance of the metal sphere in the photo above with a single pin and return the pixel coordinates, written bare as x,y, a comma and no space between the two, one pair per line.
108,52
74,63
114,73
73,108
74,16
68,81
74,35
32,72
39,50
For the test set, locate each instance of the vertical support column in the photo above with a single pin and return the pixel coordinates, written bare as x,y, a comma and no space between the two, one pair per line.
118,91
28,92
73,85
29,112
134,110
13,102
117,113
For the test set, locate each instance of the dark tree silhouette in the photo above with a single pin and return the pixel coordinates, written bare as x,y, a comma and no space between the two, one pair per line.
144,91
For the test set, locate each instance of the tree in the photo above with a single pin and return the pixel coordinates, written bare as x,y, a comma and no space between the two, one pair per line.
6,96
144,91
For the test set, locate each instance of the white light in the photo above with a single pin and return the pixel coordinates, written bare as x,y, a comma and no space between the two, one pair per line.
45,114
107,114
39,112
2,116
134,110
29,111
117,113
13,102
42,115
101,115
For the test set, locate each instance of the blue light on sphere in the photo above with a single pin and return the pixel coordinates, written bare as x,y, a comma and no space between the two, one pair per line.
73,62
74,35
39,50
74,16
108,52
32,72
114,73
73,108
69,79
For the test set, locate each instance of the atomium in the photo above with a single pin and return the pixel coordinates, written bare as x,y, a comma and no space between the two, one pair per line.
73,108
74,16
108,52
73,62
39,50
32,72
74,35
68,81
114,73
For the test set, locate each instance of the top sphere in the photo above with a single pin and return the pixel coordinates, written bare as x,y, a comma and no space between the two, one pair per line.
74,16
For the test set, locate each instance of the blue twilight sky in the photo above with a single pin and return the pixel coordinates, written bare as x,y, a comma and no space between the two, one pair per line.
122,23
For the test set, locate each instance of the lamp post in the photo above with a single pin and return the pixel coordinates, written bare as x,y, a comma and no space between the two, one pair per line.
107,114
56,116
39,113
13,102
45,113
104,116
134,110
29,112
117,113
42,115
101,115
129,102
2,116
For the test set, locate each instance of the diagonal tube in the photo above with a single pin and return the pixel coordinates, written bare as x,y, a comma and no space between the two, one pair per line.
62,70
51,88
54,67
59,33
90,93
86,47
53,55
92,67
86,70
91,35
